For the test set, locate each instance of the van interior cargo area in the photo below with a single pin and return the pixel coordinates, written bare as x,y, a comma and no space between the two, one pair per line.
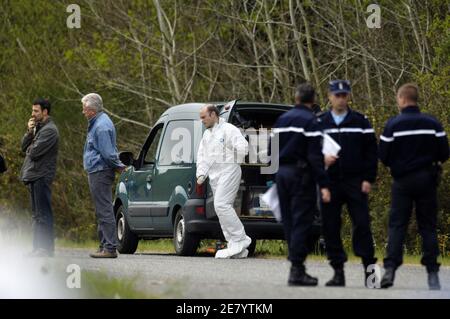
248,202
246,117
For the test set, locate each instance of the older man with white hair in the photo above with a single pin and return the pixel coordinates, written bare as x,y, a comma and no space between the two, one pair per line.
101,160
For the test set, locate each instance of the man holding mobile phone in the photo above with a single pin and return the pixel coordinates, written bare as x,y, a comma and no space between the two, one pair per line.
40,144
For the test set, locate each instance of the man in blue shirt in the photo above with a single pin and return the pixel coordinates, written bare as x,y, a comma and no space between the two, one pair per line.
413,145
101,160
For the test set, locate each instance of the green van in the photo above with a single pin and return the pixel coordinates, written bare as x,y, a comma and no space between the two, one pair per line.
157,196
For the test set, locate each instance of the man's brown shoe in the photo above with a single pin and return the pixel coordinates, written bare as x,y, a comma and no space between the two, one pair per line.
104,254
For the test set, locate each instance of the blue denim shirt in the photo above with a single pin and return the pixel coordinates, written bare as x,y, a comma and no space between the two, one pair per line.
100,150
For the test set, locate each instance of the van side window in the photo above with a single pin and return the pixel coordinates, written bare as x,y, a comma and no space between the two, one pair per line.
150,156
178,143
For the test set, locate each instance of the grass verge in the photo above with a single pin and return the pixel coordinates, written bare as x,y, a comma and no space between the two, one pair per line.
264,249
99,285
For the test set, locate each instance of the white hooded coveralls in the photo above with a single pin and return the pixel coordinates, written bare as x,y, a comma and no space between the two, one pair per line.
220,153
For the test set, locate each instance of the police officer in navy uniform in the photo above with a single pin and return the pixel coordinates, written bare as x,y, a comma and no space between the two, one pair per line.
351,175
412,146
301,167
316,232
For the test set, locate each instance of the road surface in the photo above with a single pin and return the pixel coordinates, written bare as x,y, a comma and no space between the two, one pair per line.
170,276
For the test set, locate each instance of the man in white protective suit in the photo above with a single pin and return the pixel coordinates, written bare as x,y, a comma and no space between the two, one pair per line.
221,151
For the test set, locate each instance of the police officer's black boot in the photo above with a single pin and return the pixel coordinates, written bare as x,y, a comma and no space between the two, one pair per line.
338,279
299,277
433,281
388,278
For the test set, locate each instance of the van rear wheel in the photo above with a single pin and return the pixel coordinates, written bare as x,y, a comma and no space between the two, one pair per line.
185,244
252,248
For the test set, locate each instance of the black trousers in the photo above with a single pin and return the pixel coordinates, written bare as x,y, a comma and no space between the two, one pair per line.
42,215
297,195
347,191
416,189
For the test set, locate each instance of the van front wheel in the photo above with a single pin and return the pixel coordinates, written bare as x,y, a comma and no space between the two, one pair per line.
128,241
186,244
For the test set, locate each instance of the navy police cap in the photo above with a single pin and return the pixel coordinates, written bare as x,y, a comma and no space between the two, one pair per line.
339,86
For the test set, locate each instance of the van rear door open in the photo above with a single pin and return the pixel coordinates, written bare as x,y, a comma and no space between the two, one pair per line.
256,121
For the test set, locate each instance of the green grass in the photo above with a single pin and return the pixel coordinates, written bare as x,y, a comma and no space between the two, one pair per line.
264,249
278,249
99,285
158,246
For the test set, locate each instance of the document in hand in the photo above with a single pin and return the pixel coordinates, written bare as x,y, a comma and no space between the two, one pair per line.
330,147
270,197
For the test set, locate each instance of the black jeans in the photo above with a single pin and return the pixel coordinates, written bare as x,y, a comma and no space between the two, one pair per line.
297,195
347,191
419,189
42,215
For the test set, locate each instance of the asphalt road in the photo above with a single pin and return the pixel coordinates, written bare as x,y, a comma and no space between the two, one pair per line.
170,276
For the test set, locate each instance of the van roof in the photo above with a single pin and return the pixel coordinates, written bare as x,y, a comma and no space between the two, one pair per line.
195,107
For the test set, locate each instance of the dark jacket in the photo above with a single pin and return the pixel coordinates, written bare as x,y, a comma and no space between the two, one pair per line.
358,155
300,140
412,141
41,149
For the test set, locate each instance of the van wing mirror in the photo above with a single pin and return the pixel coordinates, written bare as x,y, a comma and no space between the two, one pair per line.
126,158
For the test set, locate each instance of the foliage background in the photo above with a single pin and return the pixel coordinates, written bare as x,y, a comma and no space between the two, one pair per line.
144,56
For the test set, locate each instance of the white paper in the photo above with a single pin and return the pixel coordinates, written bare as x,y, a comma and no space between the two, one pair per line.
330,147
270,197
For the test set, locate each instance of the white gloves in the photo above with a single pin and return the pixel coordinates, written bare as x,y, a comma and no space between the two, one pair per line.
201,179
